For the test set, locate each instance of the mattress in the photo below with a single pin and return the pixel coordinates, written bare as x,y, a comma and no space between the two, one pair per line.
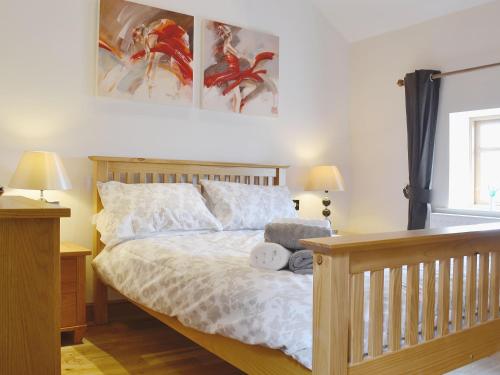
204,280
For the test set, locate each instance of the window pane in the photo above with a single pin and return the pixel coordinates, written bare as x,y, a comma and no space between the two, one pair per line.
489,133
489,174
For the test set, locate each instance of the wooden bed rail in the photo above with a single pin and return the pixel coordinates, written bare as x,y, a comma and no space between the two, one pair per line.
413,334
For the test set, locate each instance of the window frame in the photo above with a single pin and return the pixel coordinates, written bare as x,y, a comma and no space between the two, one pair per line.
476,123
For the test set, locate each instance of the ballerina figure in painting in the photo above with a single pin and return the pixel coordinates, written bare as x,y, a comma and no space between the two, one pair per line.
237,75
162,46
164,41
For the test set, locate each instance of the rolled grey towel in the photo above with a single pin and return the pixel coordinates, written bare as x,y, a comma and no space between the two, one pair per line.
289,234
301,262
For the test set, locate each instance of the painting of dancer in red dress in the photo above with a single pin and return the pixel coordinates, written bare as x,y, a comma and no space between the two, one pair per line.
241,70
145,53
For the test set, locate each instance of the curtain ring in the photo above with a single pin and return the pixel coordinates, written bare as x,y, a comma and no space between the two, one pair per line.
430,78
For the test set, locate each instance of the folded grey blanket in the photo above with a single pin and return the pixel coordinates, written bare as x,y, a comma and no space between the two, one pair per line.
301,262
297,220
289,234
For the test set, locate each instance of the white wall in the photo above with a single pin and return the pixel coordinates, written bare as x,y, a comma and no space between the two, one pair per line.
377,106
47,70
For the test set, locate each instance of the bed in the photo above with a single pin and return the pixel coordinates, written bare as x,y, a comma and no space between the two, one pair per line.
364,287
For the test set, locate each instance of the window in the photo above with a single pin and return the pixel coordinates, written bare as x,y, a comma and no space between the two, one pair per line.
474,164
486,160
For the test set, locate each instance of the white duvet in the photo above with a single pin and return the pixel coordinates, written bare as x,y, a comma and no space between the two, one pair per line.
205,280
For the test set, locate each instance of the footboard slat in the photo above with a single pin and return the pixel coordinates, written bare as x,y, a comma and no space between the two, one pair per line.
428,303
470,292
483,286
395,286
444,297
495,285
458,293
375,337
411,332
357,318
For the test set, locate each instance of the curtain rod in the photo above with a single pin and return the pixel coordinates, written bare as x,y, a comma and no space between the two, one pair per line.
401,82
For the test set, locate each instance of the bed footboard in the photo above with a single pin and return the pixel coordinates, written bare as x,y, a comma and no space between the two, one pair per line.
440,289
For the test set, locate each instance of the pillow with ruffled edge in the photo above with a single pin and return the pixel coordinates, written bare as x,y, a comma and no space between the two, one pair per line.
132,210
240,206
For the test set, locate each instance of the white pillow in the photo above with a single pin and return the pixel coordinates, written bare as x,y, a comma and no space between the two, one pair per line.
240,206
132,210
114,227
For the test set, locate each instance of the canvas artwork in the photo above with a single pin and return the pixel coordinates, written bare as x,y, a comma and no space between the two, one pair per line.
241,70
145,53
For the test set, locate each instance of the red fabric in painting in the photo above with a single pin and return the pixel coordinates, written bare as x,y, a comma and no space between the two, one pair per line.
171,42
233,76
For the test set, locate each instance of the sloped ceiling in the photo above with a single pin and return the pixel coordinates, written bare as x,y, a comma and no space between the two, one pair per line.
361,19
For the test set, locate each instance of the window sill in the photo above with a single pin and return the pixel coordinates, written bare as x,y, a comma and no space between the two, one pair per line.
449,217
479,211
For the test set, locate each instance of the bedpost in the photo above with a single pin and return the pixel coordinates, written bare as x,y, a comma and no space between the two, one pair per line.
331,314
100,289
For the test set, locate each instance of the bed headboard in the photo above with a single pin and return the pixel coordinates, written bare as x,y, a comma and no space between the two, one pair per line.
140,170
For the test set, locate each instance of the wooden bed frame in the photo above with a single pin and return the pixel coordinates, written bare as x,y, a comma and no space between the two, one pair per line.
339,272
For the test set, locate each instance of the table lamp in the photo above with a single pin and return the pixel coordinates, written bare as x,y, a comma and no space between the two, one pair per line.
40,170
325,178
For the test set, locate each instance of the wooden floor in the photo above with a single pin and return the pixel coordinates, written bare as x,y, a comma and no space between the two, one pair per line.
133,343
140,347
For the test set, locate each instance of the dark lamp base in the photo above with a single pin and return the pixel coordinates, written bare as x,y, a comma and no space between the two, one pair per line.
326,211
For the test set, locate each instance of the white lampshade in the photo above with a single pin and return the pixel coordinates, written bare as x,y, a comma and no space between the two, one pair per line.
326,178
40,170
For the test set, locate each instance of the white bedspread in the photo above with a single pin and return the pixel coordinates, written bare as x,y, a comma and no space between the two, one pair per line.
205,280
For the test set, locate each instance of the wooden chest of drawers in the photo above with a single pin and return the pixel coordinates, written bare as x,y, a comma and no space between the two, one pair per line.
29,280
73,317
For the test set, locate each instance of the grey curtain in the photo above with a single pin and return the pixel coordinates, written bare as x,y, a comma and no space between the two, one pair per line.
422,101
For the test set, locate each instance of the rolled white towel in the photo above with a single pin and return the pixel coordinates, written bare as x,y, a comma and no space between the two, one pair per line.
269,256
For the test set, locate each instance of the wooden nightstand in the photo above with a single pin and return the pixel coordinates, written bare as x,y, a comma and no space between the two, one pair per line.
73,290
